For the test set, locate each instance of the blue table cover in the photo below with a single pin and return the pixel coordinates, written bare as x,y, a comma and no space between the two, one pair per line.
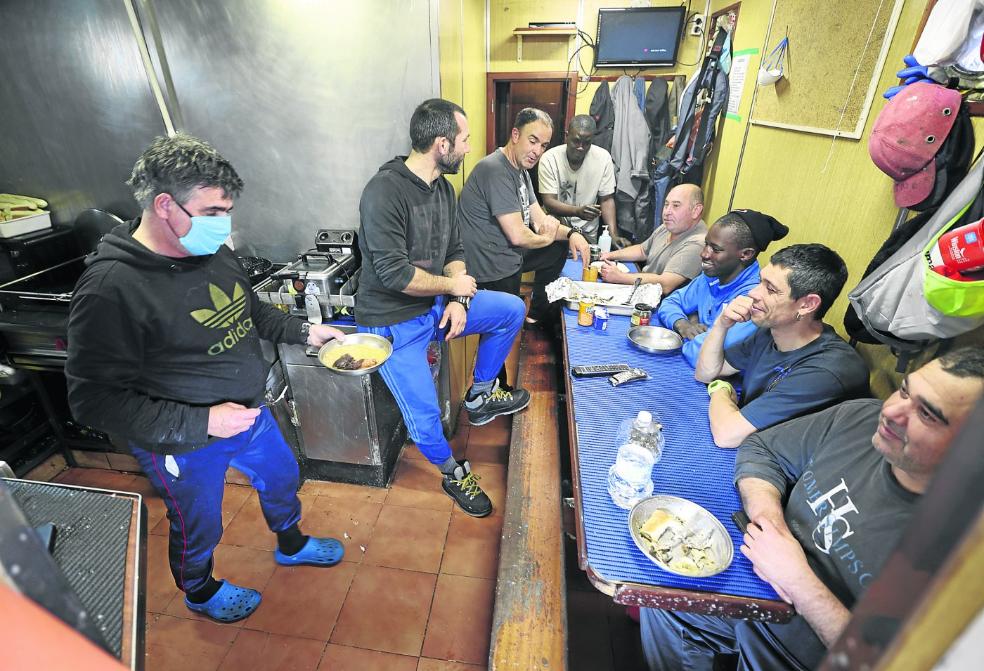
691,467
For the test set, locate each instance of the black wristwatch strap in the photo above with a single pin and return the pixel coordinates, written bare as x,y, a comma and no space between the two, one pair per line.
463,300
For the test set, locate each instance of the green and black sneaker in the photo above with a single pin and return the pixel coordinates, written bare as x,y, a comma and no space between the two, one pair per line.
484,408
462,486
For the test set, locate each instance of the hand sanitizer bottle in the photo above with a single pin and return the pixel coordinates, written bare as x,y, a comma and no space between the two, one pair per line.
605,240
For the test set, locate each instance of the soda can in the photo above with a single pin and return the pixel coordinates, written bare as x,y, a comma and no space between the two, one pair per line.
600,319
585,312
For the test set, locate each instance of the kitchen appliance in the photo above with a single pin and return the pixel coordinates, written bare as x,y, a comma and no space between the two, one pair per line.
327,273
26,254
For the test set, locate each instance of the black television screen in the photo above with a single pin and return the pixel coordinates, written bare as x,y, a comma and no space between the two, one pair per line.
638,36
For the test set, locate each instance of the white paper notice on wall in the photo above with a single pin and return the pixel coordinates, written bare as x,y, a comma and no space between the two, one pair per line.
736,81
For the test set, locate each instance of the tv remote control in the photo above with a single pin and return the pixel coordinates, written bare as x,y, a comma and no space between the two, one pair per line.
600,370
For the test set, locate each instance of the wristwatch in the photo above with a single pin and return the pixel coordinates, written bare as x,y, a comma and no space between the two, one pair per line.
463,300
572,230
305,328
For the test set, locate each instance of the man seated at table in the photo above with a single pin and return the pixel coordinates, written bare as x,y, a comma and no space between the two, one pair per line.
846,508
504,230
793,364
672,252
730,268
577,181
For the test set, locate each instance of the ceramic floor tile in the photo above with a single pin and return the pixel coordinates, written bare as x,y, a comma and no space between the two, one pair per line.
408,538
272,652
349,520
342,490
161,589
177,644
344,658
386,610
460,623
249,528
426,664
96,477
417,484
489,443
472,547
303,600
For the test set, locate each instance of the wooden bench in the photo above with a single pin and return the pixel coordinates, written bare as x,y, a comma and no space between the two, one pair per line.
529,621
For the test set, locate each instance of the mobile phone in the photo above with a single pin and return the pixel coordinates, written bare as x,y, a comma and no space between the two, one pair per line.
741,520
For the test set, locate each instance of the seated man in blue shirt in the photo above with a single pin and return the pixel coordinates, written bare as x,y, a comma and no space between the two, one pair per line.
730,269
794,364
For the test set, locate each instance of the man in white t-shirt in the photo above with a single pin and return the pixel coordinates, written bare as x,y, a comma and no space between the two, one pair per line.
577,181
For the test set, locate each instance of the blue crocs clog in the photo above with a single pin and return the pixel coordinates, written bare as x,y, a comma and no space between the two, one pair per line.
231,603
316,552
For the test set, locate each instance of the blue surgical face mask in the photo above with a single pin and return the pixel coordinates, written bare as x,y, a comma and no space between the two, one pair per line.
206,234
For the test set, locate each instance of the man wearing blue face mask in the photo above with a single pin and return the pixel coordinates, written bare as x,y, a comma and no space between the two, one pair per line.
164,334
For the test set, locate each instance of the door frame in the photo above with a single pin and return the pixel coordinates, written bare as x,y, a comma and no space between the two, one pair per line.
492,78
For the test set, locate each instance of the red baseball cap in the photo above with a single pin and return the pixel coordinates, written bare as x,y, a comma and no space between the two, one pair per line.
907,135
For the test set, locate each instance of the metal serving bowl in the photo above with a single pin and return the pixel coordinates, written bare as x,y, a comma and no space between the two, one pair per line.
698,522
327,353
655,339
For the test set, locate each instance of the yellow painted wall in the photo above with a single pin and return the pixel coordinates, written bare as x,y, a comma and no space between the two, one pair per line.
462,65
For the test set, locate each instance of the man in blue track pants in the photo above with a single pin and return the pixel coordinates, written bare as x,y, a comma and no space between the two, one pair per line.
414,288
164,351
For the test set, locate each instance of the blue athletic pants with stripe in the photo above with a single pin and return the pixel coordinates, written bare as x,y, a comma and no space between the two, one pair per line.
194,496
494,315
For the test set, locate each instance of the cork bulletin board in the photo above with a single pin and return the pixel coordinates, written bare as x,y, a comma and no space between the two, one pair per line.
836,52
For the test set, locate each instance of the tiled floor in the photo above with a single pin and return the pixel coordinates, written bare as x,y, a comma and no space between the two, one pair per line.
415,590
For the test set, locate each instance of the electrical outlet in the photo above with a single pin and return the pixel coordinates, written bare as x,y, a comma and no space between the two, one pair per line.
697,24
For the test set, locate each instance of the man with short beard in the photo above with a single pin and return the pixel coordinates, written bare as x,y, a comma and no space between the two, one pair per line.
415,288
826,510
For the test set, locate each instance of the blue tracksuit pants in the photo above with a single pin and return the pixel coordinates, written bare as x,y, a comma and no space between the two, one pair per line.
193,494
495,316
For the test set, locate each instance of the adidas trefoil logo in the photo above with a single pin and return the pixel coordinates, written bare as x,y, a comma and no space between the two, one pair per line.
227,311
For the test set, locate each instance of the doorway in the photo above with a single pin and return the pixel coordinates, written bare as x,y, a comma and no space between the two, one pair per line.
509,92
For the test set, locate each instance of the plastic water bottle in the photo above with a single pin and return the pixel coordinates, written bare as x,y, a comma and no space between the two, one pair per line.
630,477
642,430
605,240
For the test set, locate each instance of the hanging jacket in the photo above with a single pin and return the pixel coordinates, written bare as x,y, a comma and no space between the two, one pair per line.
630,143
603,113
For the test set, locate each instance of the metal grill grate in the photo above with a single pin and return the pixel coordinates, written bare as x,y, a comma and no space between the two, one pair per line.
90,546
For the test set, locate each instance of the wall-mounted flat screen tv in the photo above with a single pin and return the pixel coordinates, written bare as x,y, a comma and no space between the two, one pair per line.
638,36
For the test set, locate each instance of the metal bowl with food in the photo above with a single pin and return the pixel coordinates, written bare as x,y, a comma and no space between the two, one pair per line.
358,354
680,536
655,339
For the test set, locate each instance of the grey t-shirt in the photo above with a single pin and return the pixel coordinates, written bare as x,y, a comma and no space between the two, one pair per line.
493,188
844,505
681,256
584,186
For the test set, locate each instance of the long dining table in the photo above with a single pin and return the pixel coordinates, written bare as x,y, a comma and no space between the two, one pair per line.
691,467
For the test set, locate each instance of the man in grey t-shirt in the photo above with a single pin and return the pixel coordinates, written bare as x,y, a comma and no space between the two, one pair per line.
504,230
846,506
672,252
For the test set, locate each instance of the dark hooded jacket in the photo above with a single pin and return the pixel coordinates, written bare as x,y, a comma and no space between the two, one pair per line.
406,224
154,341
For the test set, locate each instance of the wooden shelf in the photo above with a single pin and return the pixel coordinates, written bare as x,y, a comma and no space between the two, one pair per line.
539,32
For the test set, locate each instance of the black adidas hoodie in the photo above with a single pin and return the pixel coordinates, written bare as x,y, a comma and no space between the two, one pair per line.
406,224
154,341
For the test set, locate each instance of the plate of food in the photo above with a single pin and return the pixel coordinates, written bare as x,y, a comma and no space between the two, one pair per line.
358,354
618,264
680,536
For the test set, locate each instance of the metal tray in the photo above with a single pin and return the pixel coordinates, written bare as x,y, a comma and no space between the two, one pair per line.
611,296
